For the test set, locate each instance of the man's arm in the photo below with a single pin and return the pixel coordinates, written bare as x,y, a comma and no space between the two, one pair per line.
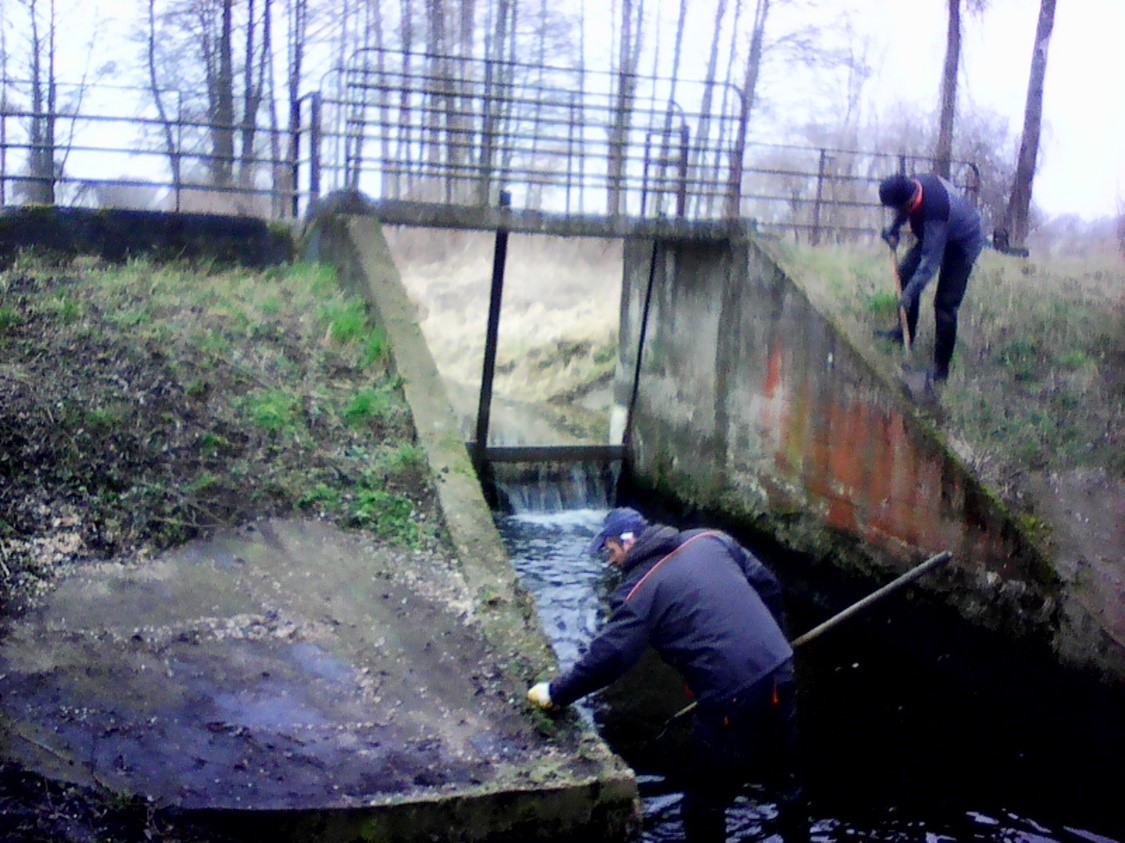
890,234
611,654
935,234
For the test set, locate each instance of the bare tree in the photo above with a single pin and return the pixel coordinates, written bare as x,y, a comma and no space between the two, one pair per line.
298,20
749,91
632,36
1019,205
943,149
219,54
44,97
703,131
171,148
3,107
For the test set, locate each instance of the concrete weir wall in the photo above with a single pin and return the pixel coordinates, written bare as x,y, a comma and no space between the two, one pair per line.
599,801
751,404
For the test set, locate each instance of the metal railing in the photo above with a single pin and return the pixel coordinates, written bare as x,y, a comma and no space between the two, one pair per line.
107,152
458,130
820,193
454,131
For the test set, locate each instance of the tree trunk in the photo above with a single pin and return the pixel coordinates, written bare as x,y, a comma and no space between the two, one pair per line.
1019,205
663,178
3,114
166,125
749,89
222,102
628,57
251,99
943,152
269,84
437,109
702,138
403,180
298,28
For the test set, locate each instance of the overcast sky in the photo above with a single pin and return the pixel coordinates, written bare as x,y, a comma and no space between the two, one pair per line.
1082,152
1082,147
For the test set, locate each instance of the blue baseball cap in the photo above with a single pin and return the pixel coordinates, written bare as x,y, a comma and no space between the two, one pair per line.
623,523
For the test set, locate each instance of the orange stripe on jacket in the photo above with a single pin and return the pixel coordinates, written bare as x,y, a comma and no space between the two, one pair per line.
652,570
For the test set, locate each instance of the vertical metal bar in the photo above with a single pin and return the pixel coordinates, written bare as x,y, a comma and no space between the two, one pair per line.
314,147
3,143
628,433
295,156
681,189
499,257
644,176
819,196
178,175
570,153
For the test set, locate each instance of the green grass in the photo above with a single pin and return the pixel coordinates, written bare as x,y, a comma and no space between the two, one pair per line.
1036,380
368,405
9,318
195,396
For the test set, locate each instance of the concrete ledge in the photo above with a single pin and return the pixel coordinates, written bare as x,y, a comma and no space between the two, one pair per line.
116,235
486,218
765,413
576,809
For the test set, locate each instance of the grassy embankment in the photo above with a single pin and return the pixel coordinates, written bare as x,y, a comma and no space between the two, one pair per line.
1037,379
143,405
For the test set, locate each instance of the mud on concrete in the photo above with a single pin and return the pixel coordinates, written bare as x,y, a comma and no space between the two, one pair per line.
281,665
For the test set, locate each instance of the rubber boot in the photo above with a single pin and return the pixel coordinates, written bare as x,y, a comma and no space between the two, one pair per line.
703,821
793,817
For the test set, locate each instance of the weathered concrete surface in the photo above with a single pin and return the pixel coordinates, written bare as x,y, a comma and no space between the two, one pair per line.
291,681
752,404
487,218
602,803
116,235
290,667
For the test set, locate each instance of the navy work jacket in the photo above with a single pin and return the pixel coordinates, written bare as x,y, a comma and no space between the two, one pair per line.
944,218
708,607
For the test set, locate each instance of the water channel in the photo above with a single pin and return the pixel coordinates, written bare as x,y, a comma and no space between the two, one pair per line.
893,753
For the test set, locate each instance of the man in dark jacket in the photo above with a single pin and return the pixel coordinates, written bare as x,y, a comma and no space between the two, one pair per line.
713,612
949,238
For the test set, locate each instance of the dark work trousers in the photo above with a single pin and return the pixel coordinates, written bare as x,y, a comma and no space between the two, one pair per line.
751,738
956,265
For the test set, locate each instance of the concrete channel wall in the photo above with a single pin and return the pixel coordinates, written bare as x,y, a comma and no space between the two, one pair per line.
750,403
601,806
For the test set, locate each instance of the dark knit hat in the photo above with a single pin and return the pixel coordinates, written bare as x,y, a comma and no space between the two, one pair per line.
895,191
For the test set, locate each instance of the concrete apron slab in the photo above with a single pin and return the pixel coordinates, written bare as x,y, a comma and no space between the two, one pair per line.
290,675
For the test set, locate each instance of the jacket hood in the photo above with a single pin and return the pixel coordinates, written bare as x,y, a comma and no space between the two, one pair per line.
657,540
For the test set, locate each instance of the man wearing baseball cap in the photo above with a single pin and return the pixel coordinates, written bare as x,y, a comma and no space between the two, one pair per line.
713,612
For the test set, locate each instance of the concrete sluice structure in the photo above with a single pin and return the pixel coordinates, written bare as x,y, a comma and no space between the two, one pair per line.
286,680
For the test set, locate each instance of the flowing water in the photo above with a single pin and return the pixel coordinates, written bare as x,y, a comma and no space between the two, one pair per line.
901,764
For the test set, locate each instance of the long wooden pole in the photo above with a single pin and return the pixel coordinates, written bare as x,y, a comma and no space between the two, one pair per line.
874,597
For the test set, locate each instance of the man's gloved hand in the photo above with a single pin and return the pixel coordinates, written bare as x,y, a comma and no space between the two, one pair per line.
540,695
890,237
909,296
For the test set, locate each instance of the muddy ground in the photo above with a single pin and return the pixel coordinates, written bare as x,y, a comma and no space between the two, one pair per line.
122,435
118,441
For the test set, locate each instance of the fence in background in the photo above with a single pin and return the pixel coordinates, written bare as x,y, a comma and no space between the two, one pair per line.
438,129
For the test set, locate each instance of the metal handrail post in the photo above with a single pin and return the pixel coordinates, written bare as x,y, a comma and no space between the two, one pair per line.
499,258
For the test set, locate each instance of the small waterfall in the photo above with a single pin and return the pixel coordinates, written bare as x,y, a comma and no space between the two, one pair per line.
554,487
860,703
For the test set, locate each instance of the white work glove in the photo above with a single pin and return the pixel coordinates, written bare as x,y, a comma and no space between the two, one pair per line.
540,695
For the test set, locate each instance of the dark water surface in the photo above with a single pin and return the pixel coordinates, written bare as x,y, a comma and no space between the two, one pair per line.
898,754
